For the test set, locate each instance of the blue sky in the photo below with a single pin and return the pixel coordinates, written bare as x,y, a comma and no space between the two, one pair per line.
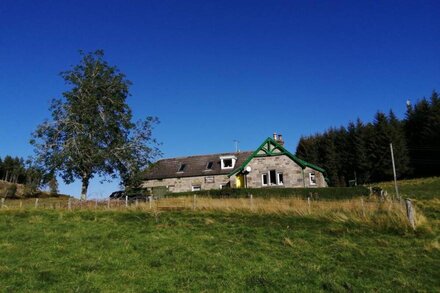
215,71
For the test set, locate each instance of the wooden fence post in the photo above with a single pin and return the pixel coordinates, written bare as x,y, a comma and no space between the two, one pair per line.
251,201
36,203
410,213
150,200
126,201
308,204
3,202
363,206
21,204
136,203
194,202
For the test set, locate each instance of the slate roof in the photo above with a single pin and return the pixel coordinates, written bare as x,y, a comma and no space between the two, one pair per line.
194,166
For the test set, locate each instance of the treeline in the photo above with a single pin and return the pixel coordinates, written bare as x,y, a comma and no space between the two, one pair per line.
17,170
360,152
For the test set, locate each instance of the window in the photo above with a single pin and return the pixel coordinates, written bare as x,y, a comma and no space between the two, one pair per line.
228,162
280,179
273,177
312,178
264,179
209,179
181,167
196,188
209,165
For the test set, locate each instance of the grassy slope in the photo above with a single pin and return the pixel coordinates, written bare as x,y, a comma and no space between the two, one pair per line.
136,251
424,191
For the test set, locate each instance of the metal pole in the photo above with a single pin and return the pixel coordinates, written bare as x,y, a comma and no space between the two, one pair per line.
394,171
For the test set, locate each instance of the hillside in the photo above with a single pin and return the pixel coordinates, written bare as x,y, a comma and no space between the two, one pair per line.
424,191
4,186
21,191
142,250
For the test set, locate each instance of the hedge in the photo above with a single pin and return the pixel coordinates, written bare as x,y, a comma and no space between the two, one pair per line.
315,193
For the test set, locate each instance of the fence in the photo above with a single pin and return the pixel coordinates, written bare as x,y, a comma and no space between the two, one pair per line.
360,208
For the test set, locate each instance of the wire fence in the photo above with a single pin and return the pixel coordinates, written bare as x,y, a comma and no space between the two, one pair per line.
360,209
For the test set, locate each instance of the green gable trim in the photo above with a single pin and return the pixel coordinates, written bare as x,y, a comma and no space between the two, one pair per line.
271,148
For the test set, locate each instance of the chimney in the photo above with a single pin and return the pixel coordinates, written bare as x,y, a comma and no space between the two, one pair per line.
275,137
280,139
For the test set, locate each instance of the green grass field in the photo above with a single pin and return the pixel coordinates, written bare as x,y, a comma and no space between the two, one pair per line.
138,251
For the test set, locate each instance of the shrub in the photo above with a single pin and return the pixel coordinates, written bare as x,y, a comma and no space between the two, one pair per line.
11,191
315,193
30,190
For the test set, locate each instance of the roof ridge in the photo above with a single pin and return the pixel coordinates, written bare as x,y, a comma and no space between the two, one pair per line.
205,155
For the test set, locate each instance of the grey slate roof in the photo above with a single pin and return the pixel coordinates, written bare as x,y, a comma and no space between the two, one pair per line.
195,166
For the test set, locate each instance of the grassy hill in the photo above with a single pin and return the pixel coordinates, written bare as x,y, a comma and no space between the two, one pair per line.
211,251
424,191
20,193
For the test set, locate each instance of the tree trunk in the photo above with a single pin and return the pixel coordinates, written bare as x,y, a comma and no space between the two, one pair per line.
84,187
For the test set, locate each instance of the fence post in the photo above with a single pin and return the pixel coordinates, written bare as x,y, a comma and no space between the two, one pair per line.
308,204
150,200
69,204
363,206
194,202
21,204
136,202
126,201
251,200
36,203
3,202
410,213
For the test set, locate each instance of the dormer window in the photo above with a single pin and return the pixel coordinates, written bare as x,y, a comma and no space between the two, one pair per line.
181,168
228,162
209,165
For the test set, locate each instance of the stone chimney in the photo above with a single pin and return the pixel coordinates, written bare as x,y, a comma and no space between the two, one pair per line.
278,138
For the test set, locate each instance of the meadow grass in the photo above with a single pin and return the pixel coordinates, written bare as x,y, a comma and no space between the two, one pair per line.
228,245
424,191
134,250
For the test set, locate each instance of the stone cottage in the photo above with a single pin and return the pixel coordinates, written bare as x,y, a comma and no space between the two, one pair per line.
270,165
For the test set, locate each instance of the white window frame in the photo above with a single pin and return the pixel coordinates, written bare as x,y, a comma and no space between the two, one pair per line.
232,158
267,179
277,178
279,182
196,187
310,178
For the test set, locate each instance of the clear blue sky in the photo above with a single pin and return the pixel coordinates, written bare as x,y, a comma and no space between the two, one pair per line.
215,71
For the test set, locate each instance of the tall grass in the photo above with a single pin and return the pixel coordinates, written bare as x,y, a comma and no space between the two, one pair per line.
371,211
366,211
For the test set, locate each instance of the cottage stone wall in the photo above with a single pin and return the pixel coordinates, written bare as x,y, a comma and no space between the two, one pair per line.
184,184
292,173
292,176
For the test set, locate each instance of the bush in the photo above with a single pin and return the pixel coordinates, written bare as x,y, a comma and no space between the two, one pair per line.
30,190
11,191
315,193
